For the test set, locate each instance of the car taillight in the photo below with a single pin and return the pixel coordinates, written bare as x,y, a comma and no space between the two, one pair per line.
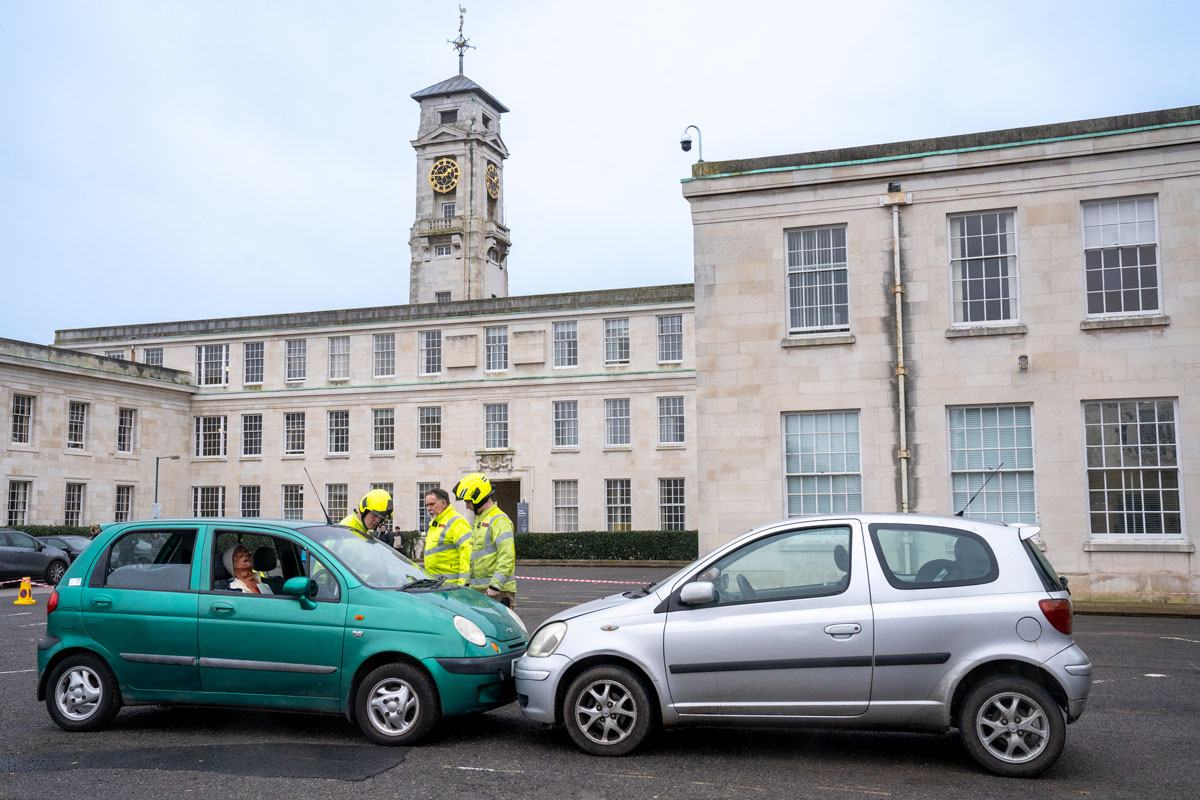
1058,614
52,603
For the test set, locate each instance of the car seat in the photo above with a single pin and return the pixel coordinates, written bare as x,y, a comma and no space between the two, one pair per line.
221,576
265,561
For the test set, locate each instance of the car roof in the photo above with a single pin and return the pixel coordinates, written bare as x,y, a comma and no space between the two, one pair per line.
979,526
294,524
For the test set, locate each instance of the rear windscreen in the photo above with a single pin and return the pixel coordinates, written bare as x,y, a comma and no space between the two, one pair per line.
1042,564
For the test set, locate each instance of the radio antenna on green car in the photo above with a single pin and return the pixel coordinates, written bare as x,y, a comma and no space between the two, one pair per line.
325,511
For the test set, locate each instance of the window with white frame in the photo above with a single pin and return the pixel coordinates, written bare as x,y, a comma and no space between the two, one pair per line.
429,421
123,510
212,364
441,250
495,347
383,428
117,354
616,341
296,351
495,425
566,344
670,339
618,504
566,506
251,501
208,501
18,501
983,267
447,210
822,462
339,432
387,487
385,355
616,422
566,423
441,297
991,452
339,358
126,422
429,352
422,514
252,363
252,434
817,280
293,433
73,505
22,419
153,356
209,436
672,511
670,420
77,414
1120,256
1132,453
337,500
293,501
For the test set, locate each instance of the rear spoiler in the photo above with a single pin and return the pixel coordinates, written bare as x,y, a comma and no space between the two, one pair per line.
1027,532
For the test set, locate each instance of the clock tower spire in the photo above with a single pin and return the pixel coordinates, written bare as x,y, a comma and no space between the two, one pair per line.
458,240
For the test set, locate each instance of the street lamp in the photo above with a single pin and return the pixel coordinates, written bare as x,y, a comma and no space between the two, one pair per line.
157,510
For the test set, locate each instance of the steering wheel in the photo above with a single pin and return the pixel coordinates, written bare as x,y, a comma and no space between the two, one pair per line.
747,590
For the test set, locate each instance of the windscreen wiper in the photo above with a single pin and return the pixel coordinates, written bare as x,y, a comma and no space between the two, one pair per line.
424,583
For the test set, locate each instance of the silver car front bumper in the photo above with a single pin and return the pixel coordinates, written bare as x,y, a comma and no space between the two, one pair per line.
537,683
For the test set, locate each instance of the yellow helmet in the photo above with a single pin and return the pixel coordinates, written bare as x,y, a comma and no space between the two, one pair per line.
474,488
376,500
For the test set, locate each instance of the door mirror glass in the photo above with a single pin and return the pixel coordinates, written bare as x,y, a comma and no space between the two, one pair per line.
697,593
303,588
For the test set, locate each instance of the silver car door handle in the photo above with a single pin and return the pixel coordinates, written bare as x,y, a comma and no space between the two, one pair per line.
844,629
221,608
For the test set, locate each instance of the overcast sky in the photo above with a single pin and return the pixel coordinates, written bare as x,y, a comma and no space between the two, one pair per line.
167,160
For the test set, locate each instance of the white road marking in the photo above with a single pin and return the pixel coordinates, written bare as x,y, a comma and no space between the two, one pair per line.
16,671
19,614
1178,639
1154,675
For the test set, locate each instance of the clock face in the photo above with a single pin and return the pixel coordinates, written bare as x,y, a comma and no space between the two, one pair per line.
492,178
444,175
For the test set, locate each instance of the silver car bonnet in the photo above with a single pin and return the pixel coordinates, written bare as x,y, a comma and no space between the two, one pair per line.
602,604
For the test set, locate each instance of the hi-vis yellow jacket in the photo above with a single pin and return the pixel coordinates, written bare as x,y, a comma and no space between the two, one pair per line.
493,552
448,547
354,522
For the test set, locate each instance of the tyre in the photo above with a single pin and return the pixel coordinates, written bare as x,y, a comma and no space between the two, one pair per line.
607,711
82,693
396,705
54,572
1012,726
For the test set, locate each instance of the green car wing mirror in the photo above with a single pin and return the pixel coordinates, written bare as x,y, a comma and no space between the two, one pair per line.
303,588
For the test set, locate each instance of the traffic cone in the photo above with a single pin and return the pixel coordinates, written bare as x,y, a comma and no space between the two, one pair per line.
25,594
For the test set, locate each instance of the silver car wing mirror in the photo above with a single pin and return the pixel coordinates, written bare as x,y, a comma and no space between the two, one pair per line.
697,593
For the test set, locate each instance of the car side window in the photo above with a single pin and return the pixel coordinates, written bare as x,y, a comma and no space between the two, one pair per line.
927,557
327,584
22,540
812,562
156,560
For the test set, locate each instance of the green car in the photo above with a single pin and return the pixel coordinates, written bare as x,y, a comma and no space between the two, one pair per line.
343,625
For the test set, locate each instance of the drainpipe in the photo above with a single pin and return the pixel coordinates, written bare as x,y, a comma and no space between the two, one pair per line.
896,198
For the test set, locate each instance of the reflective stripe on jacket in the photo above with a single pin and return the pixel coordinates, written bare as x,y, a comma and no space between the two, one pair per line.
493,552
448,547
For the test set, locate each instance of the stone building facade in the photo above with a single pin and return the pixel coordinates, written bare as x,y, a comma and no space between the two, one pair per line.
884,327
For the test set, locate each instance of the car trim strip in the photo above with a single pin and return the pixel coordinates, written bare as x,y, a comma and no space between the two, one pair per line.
898,660
479,666
147,658
266,666
911,659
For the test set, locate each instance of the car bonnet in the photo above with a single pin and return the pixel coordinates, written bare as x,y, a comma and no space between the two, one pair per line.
492,618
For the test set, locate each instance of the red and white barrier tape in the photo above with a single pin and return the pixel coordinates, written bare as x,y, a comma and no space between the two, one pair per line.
31,583
581,580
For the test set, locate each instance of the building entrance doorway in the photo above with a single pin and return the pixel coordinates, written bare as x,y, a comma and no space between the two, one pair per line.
508,494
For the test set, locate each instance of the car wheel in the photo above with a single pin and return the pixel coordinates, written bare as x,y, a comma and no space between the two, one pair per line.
1012,727
54,572
83,693
396,705
607,711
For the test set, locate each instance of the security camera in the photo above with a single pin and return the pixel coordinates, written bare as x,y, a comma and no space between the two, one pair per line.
686,142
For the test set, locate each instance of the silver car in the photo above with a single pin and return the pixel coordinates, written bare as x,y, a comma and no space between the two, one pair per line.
861,621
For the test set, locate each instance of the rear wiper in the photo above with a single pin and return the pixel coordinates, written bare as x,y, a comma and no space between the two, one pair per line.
424,583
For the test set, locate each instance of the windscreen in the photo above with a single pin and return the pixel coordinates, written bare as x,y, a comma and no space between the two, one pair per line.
374,563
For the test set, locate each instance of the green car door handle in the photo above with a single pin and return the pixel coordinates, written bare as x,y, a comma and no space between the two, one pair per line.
102,602
221,608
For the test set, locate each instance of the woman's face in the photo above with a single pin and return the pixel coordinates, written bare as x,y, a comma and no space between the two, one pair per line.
241,561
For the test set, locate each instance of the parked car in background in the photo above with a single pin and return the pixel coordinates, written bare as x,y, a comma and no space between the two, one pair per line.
349,626
23,556
71,545
857,621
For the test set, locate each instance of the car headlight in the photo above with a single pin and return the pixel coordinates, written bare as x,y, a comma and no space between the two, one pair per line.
547,639
518,620
470,631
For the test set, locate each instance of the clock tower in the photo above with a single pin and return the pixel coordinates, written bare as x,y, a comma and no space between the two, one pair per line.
459,241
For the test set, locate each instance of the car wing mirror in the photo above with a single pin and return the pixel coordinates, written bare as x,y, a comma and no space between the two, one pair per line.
1062,581
303,588
697,593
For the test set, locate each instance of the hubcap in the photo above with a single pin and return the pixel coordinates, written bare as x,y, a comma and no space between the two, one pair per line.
605,712
56,573
1012,727
78,693
393,706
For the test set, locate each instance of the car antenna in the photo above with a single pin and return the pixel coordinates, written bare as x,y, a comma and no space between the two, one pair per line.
958,513
328,521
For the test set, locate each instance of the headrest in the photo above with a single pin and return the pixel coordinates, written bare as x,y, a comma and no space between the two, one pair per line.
264,559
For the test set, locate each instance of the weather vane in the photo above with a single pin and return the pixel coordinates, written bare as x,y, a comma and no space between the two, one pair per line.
461,44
